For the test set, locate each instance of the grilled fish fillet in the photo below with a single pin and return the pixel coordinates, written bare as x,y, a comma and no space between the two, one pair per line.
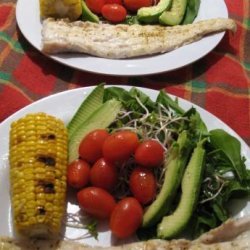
234,234
124,41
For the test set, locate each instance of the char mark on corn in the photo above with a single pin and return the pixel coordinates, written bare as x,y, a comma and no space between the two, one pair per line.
38,164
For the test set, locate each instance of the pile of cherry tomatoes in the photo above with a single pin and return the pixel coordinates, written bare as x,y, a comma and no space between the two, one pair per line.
96,174
116,10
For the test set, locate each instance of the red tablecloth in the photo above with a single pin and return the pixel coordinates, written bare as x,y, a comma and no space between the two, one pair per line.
220,82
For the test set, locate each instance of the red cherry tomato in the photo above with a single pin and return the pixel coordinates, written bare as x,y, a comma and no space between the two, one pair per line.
95,5
78,174
142,184
103,174
114,1
96,202
114,13
134,5
119,146
90,148
126,217
149,153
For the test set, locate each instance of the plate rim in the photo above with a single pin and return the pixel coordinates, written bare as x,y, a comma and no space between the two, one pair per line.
125,67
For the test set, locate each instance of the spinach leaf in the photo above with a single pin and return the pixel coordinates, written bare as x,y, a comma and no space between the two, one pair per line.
202,222
219,210
144,99
167,101
129,98
236,189
231,148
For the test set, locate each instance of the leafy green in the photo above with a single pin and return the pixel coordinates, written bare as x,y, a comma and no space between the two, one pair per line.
225,175
128,98
131,20
167,101
92,229
231,148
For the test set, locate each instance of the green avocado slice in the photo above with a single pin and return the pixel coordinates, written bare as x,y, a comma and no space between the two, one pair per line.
176,13
151,14
175,166
93,101
101,118
88,15
173,224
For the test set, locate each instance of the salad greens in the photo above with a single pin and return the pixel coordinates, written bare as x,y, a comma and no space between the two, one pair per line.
223,177
225,172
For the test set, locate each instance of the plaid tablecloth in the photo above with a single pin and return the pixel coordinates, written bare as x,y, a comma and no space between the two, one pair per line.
220,82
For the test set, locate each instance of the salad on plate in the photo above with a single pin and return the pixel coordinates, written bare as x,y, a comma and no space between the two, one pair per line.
147,168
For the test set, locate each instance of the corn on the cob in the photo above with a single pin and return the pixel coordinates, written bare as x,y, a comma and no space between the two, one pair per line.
71,9
38,164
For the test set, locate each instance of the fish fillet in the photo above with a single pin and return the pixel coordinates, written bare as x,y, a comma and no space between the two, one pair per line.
234,234
124,41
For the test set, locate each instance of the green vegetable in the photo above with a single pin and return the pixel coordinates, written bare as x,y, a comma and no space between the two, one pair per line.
231,148
226,178
129,99
174,224
93,101
151,14
167,101
174,169
176,13
100,118
87,14
225,174
191,11
131,20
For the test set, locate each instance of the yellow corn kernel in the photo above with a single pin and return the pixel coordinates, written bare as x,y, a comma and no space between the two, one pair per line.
38,163
71,9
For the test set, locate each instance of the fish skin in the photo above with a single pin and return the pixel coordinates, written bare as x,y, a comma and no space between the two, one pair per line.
124,41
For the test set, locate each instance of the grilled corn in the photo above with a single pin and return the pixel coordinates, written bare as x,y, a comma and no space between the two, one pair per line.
71,9
38,164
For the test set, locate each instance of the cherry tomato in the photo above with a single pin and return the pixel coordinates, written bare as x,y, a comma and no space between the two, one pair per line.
119,146
142,184
103,174
78,174
134,5
114,13
96,202
149,153
95,5
126,217
114,1
90,148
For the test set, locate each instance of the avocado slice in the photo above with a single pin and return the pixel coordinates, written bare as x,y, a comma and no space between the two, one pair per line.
175,164
93,101
88,15
101,118
151,14
174,224
191,11
176,13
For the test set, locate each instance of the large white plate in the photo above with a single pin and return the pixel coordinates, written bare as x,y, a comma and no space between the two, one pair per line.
63,105
27,14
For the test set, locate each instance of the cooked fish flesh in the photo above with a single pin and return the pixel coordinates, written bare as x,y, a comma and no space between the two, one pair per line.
233,234
124,41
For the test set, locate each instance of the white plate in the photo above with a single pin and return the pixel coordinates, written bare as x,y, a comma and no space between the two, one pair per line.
63,105
27,14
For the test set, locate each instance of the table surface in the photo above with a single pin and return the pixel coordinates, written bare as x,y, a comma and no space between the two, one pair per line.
219,82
